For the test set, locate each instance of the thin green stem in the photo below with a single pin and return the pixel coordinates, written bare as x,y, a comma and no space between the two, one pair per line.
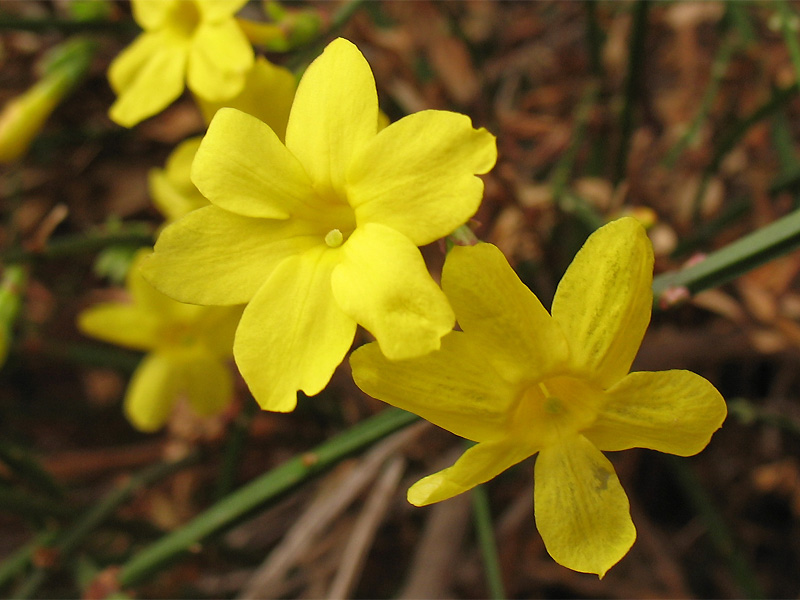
719,267
594,39
39,25
718,70
133,233
21,462
69,540
779,97
748,412
17,562
790,27
636,56
237,438
259,492
718,530
486,540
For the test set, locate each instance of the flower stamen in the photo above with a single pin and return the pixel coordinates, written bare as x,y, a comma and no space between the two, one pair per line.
334,238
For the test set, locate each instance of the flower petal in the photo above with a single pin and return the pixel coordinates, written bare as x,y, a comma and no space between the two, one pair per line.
122,324
604,300
148,76
501,314
219,59
582,511
208,382
211,256
383,283
669,411
173,192
293,335
242,166
452,387
152,392
149,14
418,175
335,112
477,465
267,95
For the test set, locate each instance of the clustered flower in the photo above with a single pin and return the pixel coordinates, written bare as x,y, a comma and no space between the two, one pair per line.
299,216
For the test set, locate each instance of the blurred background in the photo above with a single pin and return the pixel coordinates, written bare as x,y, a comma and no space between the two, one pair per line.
685,114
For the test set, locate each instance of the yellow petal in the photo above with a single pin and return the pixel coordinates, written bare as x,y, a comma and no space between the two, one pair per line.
267,95
122,324
603,302
669,411
418,175
214,257
500,313
477,465
147,76
242,166
150,14
335,112
453,387
152,392
150,301
219,59
383,283
293,335
208,383
217,327
171,188
581,510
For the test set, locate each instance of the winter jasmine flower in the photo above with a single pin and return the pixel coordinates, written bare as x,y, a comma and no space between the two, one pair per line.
194,41
320,234
188,348
520,382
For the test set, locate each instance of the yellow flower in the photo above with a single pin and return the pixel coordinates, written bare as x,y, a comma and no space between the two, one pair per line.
267,95
321,234
197,41
171,188
519,382
188,348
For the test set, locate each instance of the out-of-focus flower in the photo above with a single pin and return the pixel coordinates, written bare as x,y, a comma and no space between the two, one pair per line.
23,117
519,381
321,234
194,41
11,288
188,348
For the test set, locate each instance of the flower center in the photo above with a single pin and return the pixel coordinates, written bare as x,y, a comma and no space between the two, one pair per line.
185,17
557,407
334,238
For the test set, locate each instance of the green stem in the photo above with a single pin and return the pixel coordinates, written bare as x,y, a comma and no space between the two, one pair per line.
95,355
67,542
718,530
66,26
789,28
594,39
133,233
485,533
748,413
718,70
237,437
22,463
753,250
636,55
260,491
779,97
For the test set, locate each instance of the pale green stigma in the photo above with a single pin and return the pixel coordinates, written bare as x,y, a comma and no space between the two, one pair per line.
552,405
334,238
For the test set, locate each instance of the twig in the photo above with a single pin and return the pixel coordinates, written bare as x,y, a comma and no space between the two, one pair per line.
486,540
